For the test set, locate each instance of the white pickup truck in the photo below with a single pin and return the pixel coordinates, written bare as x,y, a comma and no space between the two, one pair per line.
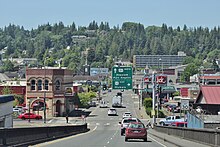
170,119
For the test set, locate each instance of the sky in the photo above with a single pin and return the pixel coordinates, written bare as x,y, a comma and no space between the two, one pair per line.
31,13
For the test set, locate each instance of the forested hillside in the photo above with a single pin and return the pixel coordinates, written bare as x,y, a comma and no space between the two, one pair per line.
104,44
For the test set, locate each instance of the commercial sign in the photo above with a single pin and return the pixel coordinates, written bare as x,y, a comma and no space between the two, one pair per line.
147,79
122,77
161,79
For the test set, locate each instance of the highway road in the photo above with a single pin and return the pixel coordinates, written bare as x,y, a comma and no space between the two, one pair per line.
105,130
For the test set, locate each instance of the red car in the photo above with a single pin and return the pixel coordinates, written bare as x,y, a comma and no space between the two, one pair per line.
29,115
179,124
136,130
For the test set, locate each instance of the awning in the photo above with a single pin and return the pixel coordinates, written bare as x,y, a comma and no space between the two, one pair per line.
168,89
164,89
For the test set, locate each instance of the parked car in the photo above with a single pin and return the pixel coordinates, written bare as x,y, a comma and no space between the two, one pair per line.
92,104
112,111
170,119
125,122
18,110
127,114
171,107
79,113
29,116
176,109
136,130
179,124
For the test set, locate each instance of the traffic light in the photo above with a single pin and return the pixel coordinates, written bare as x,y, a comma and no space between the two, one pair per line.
104,87
158,88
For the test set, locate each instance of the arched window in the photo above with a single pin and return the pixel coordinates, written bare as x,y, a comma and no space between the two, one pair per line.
33,84
39,85
46,86
57,85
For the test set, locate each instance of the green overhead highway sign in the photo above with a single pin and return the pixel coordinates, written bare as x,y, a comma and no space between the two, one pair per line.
121,77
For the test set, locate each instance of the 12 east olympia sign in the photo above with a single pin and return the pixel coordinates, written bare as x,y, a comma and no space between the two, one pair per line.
122,77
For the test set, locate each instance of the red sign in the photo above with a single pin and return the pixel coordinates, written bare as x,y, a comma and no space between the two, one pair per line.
161,79
147,80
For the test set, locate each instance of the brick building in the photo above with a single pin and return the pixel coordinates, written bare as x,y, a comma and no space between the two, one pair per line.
53,84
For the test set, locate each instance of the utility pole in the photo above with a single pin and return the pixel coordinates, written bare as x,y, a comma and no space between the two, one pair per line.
153,97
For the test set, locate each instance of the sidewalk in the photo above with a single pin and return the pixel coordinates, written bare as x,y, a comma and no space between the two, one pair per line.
53,121
175,140
141,113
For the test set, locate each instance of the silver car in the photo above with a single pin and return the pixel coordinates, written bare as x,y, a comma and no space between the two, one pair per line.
112,111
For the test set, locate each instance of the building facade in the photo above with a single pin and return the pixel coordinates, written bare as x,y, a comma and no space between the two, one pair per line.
6,107
54,86
160,61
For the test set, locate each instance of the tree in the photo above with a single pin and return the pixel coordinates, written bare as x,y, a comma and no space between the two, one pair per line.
91,55
7,90
190,70
8,66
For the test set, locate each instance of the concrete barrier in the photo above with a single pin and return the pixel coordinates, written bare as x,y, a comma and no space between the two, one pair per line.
34,135
206,136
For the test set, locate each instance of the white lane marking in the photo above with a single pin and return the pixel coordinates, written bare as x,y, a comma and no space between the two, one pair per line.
62,139
50,121
97,124
108,142
157,141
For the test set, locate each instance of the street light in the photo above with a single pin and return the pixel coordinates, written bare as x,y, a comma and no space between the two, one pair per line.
38,105
45,89
29,110
99,83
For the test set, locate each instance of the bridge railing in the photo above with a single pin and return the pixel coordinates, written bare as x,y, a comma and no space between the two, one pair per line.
206,136
33,135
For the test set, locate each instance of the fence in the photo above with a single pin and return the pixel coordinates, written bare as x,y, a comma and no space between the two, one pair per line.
33,135
206,136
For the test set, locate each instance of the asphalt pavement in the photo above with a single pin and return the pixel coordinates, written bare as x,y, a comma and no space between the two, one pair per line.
105,130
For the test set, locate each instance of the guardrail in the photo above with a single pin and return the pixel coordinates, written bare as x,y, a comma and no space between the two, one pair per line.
34,135
206,136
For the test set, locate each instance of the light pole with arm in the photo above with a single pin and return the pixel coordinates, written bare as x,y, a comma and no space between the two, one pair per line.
44,91
29,110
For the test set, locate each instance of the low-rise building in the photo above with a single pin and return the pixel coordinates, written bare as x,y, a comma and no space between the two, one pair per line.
50,87
6,107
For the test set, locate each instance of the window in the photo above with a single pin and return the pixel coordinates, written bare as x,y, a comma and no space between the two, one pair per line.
46,86
177,117
57,85
33,84
39,85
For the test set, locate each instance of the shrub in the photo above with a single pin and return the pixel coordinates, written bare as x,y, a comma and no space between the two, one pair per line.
147,102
